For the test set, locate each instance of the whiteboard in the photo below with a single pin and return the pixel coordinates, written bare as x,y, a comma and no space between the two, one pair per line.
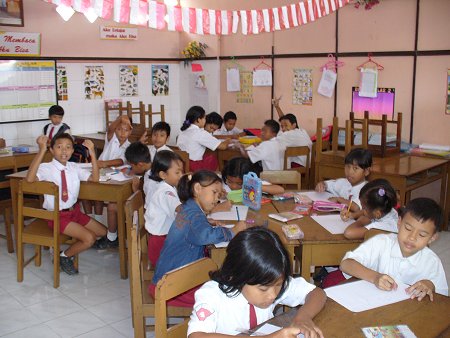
27,89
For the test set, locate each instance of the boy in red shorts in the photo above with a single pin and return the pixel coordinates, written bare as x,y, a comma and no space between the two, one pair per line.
67,176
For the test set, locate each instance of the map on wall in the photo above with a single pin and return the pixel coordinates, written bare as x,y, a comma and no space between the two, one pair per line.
27,90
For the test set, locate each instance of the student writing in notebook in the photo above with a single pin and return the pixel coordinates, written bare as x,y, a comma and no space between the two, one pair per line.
405,257
254,278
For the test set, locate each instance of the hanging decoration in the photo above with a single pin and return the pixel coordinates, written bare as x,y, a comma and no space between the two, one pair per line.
203,21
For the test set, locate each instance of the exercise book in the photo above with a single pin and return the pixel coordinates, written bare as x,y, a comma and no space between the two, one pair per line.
232,214
333,223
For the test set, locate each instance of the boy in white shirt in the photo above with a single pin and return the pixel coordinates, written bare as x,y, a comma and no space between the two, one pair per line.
405,257
270,152
160,136
56,127
229,129
67,175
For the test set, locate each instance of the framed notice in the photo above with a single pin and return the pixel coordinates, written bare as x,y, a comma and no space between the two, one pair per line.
27,90
11,13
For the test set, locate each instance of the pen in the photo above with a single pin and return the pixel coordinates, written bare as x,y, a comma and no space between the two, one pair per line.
237,213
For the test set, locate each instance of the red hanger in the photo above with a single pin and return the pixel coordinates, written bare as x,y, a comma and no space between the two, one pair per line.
332,63
262,63
379,67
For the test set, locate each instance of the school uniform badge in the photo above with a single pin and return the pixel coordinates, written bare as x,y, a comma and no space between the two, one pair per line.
203,311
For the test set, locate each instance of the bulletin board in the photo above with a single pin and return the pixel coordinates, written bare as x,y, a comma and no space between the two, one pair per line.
27,90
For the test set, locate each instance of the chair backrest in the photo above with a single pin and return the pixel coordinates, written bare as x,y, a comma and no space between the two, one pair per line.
282,177
39,188
175,283
149,113
119,110
184,156
299,151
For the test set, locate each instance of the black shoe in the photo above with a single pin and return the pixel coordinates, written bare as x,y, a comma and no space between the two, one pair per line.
104,243
67,266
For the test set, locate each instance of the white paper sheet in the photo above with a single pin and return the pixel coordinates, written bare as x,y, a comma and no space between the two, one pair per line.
233,81
231,215
332,223
327,83
361,295
221,244
262,78
119,176
369,82
317,196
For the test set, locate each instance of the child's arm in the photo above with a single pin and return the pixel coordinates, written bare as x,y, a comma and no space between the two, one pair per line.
273,189
421,289
276,104
224,206
224,144
143,139
116,123
356,269
321,186
34,166
95,172
357,229
314,302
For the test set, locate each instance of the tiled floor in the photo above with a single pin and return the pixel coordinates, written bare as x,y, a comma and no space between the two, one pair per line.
95,303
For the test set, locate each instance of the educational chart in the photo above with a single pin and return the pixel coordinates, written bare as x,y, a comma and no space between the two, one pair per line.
128,79
27,90
94,82
160,80
61,81
302,87
246,93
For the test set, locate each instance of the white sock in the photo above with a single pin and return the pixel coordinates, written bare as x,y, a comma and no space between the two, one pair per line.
112,236
62,254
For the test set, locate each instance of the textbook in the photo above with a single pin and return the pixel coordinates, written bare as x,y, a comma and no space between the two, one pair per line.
392,331
298,212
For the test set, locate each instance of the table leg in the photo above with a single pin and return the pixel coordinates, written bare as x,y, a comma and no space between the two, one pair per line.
14,186
122,234
306,262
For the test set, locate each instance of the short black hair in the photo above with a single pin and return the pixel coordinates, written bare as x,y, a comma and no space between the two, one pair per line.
273,125
359,156
425,209
229,115
214,118
161,126
291,118
162,162
378,195
61,136
254,256
238,167
137,152
56,110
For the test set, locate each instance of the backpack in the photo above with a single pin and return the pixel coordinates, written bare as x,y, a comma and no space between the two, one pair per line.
80,153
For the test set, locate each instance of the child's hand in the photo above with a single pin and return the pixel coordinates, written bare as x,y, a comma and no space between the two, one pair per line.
345,216
90,145
240,226
144,137
135,183
385,282
287,332
276,101
420,289
101,164
42,142
308,328
321,186
338,200
215,223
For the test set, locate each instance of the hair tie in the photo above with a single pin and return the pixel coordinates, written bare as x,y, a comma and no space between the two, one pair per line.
187,122
190,177
381,192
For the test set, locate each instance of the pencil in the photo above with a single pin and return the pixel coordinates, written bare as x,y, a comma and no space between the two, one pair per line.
237,213
349,205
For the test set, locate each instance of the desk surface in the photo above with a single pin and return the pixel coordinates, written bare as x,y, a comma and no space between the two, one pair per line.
405,165
424,318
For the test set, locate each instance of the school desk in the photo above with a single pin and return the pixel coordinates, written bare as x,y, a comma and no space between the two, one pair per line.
424,318
407,173
110,191
15,161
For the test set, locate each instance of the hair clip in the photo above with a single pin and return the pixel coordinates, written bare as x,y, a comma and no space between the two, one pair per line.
187,122
190,177
381,192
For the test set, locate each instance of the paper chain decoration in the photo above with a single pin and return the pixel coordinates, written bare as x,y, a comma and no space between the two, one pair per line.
206,21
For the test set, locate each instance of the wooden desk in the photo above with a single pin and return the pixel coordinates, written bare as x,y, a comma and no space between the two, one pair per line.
318,247
424,318
225,155
407,173
16,161
111,191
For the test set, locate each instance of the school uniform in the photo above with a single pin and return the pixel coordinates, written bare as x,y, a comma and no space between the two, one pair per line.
159,216
270,153
295,138
382,253
342,188
148,187
69,209
224,131
51,130
152,149
387,223
194,141
216,312
113,150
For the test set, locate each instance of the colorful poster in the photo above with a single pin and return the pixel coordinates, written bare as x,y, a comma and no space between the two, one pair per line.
246,93
128,80
61,83
302,87
94,82
160,80
448,92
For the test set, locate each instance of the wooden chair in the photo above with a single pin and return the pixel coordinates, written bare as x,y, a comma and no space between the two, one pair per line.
175,283
373,232
120,110
38,232
299,151
141,273
184,156
286,178
149,113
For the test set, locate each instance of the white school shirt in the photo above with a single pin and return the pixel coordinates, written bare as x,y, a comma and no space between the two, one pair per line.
216,312
270,153
160,212
55,131
152,149
342,188
195,140
224,131
382,253
297,137
51,172
113,150
387,223
149,187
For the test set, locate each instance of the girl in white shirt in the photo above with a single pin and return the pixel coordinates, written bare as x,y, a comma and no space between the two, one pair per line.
162,205
254,278
378,199
194,140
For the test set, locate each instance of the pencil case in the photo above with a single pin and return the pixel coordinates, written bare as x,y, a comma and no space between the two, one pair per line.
292,231
21,149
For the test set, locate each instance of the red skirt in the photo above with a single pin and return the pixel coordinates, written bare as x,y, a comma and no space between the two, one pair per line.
154,246
209,162
332,279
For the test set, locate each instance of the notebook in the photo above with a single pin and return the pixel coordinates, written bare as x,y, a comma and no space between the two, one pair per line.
333,223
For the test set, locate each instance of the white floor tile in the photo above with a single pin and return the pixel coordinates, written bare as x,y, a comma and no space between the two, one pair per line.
38,331
8,303
92,296
113,311
125,327
54,308
15,320
75,324
103,332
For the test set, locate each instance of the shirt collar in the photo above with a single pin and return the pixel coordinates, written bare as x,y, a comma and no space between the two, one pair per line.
397,253
58,165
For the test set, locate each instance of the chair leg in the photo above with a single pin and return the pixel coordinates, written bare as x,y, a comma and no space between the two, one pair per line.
38,255
139,325
9,239
56,267
19,261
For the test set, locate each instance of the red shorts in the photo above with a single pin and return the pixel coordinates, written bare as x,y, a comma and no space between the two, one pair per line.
332,279
209,162
154,246
75,215
186,299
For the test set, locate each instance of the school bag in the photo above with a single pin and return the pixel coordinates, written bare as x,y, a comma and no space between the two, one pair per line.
80,153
